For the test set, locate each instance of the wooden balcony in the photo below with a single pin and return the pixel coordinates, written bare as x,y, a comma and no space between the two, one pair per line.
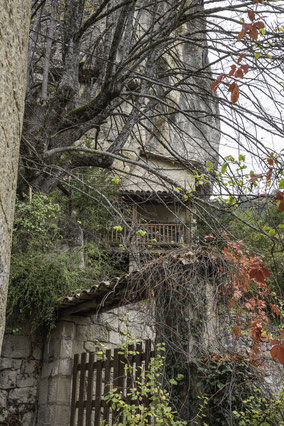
153,234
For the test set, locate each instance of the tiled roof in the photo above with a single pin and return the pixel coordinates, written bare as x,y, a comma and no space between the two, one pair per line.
100,297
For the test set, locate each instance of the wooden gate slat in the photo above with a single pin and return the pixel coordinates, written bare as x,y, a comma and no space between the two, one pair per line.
81,389
90,389
147,362
107,383
74,390
115,379
98,394
129,377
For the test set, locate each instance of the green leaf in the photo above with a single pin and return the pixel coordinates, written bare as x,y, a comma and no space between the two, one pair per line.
257,55
224,168
281,184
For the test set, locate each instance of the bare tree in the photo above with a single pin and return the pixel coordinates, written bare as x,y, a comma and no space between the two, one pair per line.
109,80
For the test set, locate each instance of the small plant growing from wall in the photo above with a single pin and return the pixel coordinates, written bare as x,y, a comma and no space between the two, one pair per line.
132,410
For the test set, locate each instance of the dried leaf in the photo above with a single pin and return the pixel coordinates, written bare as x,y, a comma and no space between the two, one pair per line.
235,94
280,355
241,57
233,69
253,33
245,68
274,342
239,73
274,351
259,24
242,33
231,87
214,85
270,161
269,174
251,15
266,272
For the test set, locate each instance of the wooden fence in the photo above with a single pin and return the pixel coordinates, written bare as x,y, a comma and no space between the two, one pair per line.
93,378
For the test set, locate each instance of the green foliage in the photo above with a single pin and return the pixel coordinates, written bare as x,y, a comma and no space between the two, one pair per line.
260,410
225,382
149,386
43,266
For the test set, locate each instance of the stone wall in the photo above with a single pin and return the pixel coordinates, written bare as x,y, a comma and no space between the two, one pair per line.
20,365
35,377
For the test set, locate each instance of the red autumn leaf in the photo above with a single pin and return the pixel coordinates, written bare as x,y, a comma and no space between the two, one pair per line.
274,351
253,33
221,77
237,331
255,1
245,68
235,94
275,309
270,161
252,273
239,73
266,272
280,355
259,24
282,334
269,174
214,85
241,57
251,15
242,33
260,277
274,342
233,69
280,197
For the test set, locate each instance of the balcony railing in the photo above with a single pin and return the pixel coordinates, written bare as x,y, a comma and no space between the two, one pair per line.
153,234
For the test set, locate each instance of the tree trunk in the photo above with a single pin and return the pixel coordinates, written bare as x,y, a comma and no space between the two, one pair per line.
14,31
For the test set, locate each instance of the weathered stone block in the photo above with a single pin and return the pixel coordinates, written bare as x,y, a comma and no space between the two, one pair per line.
62,415
37,352
16,346
78,346
23,395
65,366
26,380
30,367
8,379
43,391
10,363
89,346
28,419
52,349
45,415
3,399
50,369
59,390
66,348
81,332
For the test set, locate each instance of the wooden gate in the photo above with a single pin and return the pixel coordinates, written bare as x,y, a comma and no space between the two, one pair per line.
94,377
